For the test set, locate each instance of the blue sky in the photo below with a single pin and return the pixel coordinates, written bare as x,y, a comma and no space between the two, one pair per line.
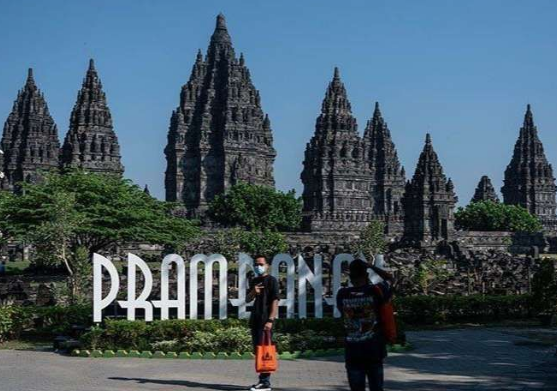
461,70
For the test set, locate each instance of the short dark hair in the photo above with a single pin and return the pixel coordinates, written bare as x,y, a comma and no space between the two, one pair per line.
358,268
257,256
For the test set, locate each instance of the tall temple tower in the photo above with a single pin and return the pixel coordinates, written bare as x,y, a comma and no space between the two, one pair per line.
30,139
219,134
388,176
429,201
485,191
91,142
529,180
336,176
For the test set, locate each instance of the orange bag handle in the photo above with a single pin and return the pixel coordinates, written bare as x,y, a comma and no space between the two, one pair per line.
267,340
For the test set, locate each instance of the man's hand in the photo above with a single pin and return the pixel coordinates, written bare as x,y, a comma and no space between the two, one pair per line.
268,326
258,289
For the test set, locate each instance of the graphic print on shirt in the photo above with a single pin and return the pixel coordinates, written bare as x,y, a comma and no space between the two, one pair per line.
359,317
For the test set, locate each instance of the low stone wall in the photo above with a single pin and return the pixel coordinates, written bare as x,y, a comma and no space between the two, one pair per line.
518,243
476,262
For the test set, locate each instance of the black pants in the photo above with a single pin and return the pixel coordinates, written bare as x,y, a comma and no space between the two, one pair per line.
357,377
257,338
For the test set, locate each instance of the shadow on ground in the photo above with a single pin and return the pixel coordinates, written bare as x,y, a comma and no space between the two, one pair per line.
182,383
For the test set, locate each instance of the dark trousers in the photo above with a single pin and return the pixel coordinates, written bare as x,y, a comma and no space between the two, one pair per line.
257,338
357,377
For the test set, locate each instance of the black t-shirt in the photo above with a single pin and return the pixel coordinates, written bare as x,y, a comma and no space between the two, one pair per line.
262,305
365,343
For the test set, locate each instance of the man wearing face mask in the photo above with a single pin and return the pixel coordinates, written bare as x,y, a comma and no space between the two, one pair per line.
264,288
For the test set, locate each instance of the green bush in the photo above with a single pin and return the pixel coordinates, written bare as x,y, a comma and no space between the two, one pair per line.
8,329
257,208
46,322
494,216
544,288
232,335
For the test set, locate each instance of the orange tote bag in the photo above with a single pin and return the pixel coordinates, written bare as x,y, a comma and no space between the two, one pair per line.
266,355
387,319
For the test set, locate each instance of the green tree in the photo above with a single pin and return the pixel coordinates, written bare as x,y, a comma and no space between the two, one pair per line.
494,216
80,209
428,273
257,208
372,240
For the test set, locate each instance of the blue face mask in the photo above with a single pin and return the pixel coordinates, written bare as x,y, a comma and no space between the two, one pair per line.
260,269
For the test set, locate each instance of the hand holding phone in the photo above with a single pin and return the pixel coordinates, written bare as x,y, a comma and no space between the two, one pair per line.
259,288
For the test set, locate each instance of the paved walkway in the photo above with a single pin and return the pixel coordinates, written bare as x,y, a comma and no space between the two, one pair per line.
470,359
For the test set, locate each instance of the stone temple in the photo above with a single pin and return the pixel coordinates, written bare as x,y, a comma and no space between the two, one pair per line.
529,180
336,176
350,180
30,138
91,143
429,201
485,191
219,134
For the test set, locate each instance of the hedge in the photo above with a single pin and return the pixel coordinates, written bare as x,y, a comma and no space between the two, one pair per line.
200,336
232,334
46,322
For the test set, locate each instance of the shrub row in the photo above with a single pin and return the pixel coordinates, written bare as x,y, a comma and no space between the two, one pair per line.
233,335
46,322
228,336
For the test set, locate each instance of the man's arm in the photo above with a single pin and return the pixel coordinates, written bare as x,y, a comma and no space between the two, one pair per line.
274,297
273,315
250,296
385,275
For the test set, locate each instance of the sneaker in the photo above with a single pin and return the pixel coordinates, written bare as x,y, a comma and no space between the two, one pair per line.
261,387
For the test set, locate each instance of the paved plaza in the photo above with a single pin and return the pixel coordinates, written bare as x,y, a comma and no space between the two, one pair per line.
464,359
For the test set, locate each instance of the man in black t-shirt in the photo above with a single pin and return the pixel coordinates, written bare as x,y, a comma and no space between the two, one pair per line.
365,343
264,288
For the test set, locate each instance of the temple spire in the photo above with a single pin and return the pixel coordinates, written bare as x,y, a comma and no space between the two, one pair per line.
336,74
429,201
91,142
219,118
528,117
485,191
30,138
336,104
336,177
30,79
220,35
377,112
529,180
388,178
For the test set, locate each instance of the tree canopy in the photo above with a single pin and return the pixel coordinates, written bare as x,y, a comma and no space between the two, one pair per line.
494,216
90,210
257,208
